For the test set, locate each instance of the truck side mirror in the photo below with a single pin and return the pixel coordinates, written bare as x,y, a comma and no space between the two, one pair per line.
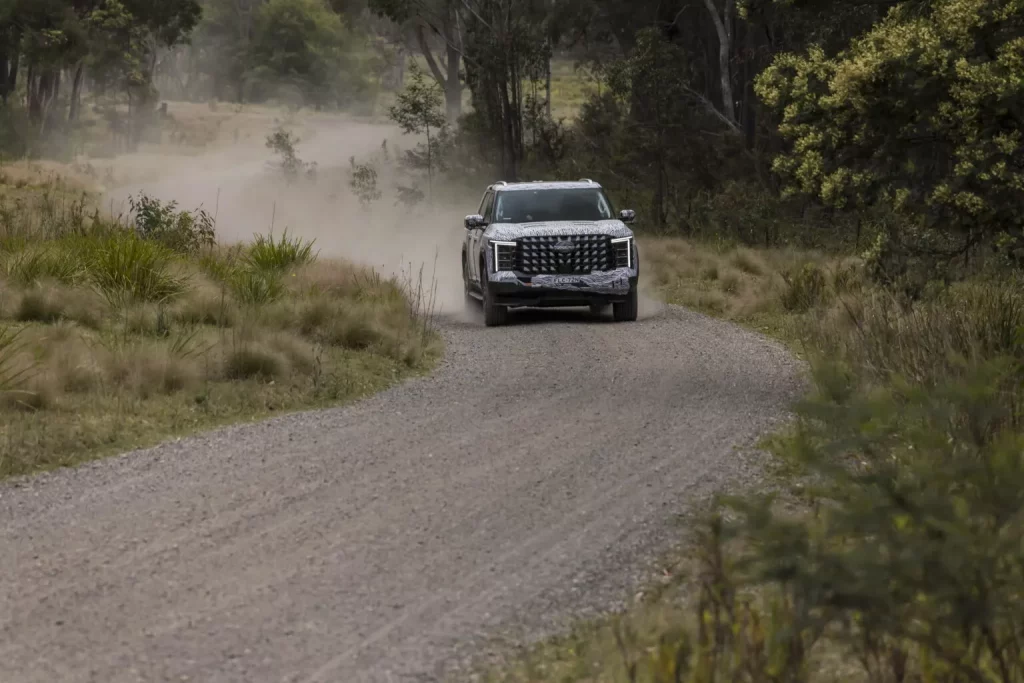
627,215
474,221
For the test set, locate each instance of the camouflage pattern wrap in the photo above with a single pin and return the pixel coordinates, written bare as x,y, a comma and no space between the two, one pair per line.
606,282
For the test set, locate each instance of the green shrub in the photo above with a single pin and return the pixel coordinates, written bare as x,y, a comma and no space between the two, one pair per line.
279,255
182,231
53,262
256,287
127,268
221,264
913,442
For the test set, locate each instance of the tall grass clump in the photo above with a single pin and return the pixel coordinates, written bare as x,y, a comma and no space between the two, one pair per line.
277,255
12,373
52,261
126,267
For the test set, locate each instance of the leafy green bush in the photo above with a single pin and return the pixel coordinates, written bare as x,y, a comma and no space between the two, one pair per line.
913,443
182,231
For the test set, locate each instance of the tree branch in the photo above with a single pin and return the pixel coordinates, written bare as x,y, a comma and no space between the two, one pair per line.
421,38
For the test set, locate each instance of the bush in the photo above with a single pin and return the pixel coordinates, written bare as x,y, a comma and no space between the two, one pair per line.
269,254
257,287
53,262
913,442
127,268
182,231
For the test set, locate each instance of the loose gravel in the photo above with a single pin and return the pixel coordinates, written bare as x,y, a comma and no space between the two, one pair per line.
531,479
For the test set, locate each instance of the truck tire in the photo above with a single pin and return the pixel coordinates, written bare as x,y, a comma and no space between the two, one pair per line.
494,315
626,311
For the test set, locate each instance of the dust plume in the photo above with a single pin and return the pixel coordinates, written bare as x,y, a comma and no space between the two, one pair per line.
247,197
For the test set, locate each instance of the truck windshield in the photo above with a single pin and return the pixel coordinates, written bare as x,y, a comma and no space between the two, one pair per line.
532,206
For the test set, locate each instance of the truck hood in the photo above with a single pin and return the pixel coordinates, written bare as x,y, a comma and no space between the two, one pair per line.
514,231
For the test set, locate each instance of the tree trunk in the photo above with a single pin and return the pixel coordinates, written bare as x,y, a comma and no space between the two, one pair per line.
76,93
723,27
449,82
10,61
400,77
5,65
547,82
35,104
509,155
453,86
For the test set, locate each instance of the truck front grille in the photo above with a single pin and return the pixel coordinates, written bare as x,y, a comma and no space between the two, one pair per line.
590,254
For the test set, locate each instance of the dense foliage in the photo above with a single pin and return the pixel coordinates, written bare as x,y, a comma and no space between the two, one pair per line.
922,114
48,47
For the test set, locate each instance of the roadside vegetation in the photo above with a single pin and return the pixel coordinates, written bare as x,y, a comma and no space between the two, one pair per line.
118,332
845,176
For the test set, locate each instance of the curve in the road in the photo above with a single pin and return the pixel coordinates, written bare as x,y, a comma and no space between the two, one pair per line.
530,478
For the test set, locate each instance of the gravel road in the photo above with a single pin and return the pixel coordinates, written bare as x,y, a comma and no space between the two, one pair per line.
531,478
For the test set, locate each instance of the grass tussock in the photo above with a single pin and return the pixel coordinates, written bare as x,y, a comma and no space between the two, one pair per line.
269,255
765,289
114,334
892,552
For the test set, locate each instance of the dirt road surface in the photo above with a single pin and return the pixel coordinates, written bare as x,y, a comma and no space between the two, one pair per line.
531,478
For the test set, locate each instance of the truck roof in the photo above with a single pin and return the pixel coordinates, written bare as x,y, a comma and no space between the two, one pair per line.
585,183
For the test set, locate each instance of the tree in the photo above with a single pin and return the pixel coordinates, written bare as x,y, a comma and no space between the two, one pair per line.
52,42
649,128
302,45
418,112
922,114
224,39
429,23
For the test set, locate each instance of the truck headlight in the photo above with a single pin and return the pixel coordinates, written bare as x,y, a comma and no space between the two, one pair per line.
623,250
504,255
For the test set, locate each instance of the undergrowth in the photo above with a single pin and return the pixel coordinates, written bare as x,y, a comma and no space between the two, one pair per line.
119,332
892,549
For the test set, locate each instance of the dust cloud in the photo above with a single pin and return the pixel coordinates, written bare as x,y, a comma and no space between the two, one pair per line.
237,185
247,197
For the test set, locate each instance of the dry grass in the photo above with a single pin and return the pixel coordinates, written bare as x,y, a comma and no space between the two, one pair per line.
923,400
111,342
767,290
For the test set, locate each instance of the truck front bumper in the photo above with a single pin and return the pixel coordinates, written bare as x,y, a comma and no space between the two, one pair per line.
509,288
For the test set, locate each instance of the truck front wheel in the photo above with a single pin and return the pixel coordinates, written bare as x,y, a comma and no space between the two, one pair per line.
494,315
626,311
